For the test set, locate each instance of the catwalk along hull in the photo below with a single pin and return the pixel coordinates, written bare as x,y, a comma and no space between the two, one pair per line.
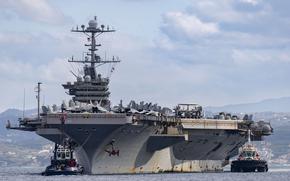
141,146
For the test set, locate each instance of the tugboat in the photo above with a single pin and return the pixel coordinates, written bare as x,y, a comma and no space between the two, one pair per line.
249,160
63,163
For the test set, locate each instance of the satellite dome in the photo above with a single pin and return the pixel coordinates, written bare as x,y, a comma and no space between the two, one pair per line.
93,24
267,128
87,78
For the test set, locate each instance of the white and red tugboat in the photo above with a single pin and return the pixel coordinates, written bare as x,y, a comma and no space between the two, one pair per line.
63,162
249,160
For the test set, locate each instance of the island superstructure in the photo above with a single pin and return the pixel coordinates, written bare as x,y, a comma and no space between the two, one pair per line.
92,87
140,137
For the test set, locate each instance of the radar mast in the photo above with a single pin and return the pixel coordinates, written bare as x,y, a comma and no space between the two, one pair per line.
92,87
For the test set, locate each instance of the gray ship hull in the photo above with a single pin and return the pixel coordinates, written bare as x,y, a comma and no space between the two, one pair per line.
141,150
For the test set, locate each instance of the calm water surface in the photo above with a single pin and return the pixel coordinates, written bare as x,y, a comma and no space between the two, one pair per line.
32,174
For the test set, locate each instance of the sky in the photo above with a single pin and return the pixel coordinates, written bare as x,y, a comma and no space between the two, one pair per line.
211,52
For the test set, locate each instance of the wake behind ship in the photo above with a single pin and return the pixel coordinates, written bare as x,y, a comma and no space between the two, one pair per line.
140,137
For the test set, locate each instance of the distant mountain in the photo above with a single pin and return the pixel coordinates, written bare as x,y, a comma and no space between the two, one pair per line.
21,148
12,115
268,105
16,112
29,139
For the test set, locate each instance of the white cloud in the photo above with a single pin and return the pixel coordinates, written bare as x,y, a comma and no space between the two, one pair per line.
14,38
50,72
164,43
186,25
246,51
39,47
248,57
36,10
18,75
228,11
252,2
216,10
184,35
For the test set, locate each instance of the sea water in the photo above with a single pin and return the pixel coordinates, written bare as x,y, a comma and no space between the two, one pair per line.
33,174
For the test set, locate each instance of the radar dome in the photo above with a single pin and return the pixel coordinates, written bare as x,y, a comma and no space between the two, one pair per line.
87,78
267,128
93,24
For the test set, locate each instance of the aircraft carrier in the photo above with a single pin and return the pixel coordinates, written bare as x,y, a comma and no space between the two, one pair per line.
139,137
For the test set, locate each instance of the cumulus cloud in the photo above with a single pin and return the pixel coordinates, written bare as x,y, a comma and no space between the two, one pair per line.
14,38
35,10
17,75
189,33
38,47
252,2
247,57
187,25
215,10
25,71
230,11
244,51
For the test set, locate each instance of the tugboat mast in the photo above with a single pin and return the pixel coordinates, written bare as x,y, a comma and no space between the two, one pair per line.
38,100
249,136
